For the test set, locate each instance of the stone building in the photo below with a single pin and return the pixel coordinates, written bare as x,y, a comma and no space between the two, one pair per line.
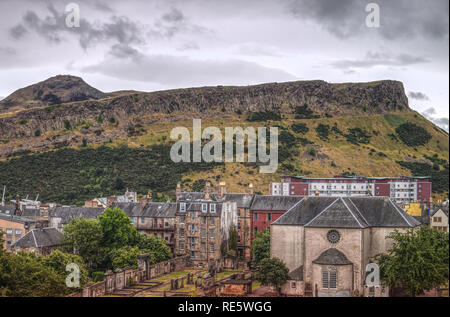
439,219
105,202
59,216
153,218
15,227
39,240
327,242
203,222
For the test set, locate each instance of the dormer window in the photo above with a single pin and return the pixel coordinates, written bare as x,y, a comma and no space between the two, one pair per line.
182,207
204,208
212,208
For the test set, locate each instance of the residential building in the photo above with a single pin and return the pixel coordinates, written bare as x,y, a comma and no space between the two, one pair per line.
14,227
327,243
60,216
203,223
39,240
401,189
439,219
105,202
266,209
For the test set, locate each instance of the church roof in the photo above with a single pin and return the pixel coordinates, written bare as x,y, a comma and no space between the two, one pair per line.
274,203
296,274
332,256
355,212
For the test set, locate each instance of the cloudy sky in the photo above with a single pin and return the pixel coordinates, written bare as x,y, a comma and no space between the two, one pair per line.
161,44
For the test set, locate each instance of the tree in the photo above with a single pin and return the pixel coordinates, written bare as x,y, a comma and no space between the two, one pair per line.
155,246
126,256
417,261
84,237
261,246
272,272
1,243
117,229
233,240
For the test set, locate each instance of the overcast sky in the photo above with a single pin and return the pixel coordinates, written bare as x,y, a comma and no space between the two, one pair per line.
161,44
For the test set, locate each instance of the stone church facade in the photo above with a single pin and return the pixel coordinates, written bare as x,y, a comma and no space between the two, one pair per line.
327,243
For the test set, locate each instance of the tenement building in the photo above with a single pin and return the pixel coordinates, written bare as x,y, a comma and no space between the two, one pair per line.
401,189
327,242
203,224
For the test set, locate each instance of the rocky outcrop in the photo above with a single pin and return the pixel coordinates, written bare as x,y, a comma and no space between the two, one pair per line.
323,98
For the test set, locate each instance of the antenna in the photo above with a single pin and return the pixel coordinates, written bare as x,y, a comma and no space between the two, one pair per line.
3,197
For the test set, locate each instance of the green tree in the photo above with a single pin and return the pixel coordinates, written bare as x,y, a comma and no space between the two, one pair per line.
123,257
233,241
261,247
117,229
272,272
417,261
155,246
84,237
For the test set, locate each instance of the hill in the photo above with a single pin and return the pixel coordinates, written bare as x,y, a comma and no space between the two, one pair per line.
55,90
99,147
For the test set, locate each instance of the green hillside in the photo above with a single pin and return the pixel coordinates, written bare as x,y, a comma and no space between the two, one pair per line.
372,145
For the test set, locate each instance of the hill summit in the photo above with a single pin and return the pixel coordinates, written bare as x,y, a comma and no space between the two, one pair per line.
55,90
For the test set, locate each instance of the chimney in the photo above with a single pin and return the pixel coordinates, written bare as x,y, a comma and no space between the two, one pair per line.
178,190
207,191
146,199
222,189
18,211
250,189
110,200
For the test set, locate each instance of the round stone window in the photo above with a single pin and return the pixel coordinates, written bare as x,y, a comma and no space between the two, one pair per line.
333,236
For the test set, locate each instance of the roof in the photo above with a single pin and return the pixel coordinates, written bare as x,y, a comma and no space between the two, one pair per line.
151,210
192,196
274,203
242,200
355,212
40,237
16,218
425,220
8,210
444,210
31,212
297,274
197,206
332,256
67,213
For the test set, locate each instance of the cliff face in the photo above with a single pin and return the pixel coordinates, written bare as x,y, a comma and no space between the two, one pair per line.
323,98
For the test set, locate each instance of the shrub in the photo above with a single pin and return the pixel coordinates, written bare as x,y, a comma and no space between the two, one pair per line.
412,135
37,132
300,128
357,136
323,130
67,125
263,116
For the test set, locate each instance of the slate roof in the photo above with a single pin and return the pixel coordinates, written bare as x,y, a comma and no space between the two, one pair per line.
355,212
297,274
332,256
192,196
42,237
274,203
16,218
437,209
31,212
67,213
151,210
130,209
425,220
242,200
7,210
197,206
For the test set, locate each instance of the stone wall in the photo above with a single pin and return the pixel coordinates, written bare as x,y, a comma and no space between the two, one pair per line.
121,278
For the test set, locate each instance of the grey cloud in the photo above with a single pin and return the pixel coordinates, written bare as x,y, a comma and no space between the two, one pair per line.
252,49
399,18
417,95
441,122
7,51
380,59
127,63
18,31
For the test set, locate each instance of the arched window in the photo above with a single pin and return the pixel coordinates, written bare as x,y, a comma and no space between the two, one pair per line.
329,279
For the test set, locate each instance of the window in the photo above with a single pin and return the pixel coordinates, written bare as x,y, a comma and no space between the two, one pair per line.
211,221
255,217
182,207
293,285
204,208
18,232
203,233
166,224
211,247
212,208
181,233
192,255
203,220
132,219
142,220
9,232
255,230
182,245
181,219
329,279
239,213
211,234
239,226
269,217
